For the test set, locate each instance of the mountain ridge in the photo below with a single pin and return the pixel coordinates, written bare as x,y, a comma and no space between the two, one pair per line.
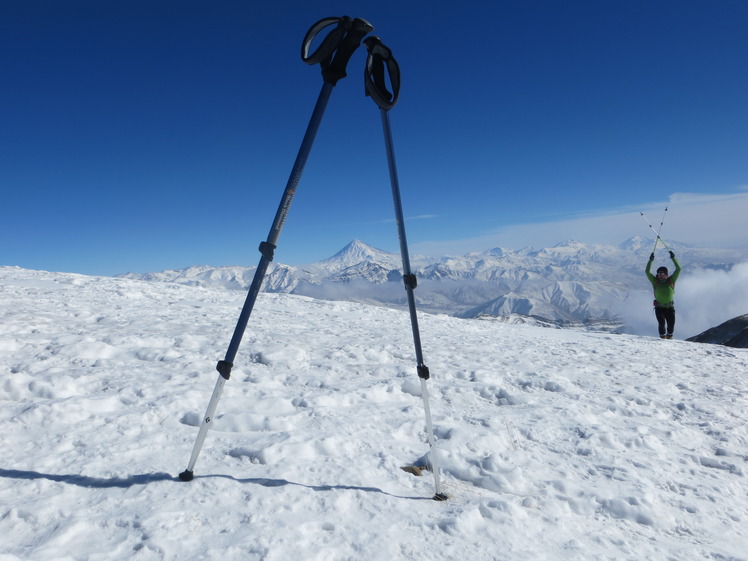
732,333
567,283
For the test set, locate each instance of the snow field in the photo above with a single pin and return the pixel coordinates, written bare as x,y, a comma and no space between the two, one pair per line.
554,444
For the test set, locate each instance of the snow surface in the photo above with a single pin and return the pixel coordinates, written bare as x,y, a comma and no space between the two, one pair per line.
554,444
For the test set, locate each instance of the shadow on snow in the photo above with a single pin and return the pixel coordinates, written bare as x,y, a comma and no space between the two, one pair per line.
144,479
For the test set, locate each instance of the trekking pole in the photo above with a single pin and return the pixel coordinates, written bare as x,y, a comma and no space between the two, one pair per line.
657,234
374,78
333,55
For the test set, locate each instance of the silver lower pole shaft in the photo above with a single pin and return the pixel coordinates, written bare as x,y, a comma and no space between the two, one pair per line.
188,474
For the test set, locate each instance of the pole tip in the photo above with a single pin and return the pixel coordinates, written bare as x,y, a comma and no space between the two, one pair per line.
440,497
186,475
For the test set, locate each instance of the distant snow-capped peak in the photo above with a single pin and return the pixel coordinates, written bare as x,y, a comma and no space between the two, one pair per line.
358,252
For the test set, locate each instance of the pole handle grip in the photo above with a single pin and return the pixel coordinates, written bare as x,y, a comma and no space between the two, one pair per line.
380,57
337,47
329,43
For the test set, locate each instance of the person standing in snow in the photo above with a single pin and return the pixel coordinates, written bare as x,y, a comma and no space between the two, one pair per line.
664,292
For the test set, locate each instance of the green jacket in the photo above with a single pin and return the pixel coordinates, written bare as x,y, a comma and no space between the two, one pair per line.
664,291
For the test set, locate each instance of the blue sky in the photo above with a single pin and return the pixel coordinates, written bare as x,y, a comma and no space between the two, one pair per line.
140,136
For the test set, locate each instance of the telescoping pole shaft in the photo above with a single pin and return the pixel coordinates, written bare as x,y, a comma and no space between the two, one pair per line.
333,56
410,285
266,249
380,59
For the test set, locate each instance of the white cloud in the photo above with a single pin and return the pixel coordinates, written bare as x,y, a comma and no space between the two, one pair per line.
407,218
699,219
707,298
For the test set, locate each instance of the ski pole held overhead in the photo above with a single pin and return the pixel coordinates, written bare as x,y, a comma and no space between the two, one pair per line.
333,55
658,238
379,58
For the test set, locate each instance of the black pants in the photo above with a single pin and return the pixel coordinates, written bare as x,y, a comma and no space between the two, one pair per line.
665,316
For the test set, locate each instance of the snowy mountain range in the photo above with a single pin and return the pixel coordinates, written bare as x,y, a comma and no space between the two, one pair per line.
570,283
